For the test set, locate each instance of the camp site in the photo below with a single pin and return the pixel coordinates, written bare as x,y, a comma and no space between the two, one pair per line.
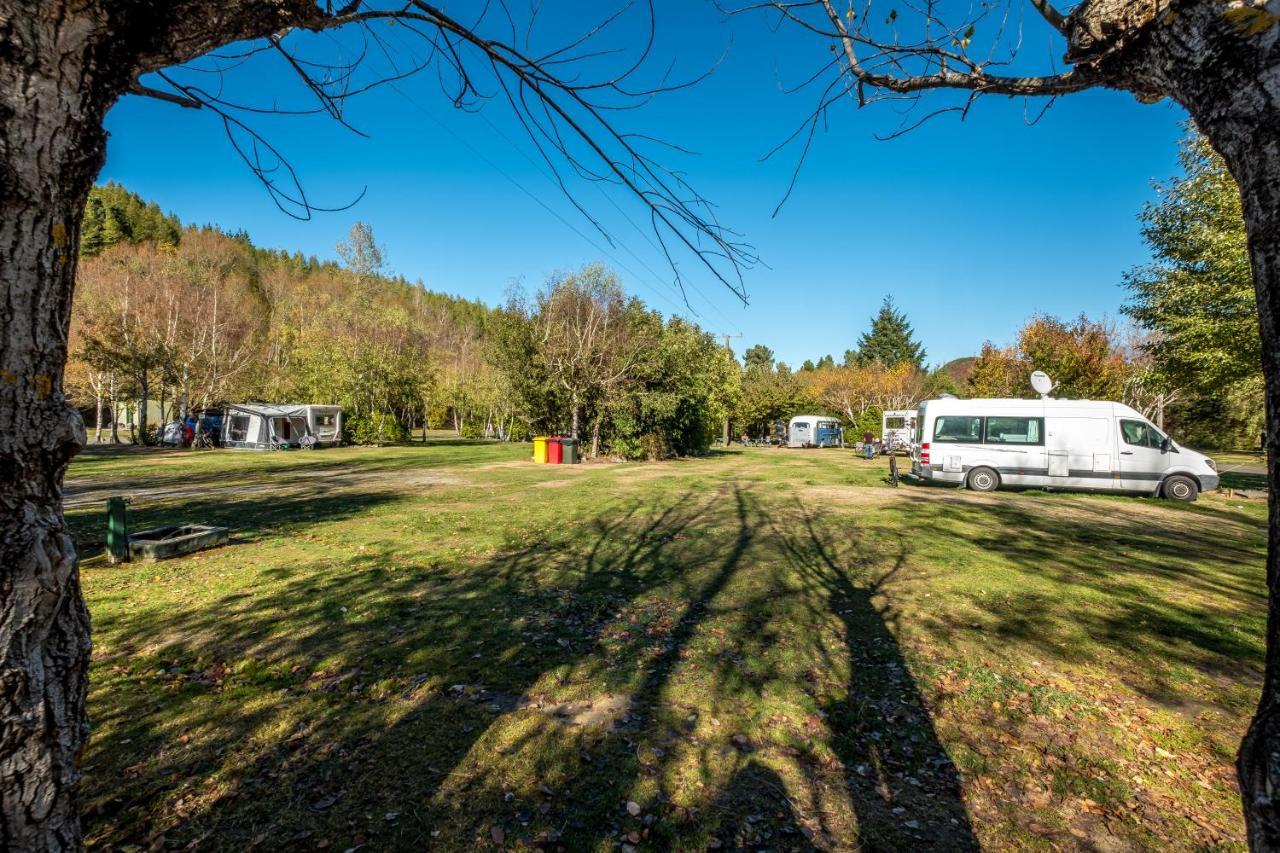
639,427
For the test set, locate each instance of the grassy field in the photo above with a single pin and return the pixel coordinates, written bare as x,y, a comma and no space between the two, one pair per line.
446,646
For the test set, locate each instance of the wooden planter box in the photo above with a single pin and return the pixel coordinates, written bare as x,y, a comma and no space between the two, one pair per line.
162,543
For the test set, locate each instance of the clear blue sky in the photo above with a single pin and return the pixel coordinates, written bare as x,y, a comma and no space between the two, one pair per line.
972,226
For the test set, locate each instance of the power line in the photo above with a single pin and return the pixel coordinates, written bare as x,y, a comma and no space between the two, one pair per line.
643,234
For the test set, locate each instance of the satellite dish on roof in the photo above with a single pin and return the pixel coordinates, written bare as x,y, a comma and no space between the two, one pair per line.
1041,382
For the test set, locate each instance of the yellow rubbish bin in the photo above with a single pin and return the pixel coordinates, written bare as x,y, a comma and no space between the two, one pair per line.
540,449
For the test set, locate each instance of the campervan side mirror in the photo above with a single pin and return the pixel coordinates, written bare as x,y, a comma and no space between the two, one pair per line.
1166,444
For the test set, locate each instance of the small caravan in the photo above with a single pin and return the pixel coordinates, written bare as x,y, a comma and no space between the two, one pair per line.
814,431
1048,443
897,427
258,426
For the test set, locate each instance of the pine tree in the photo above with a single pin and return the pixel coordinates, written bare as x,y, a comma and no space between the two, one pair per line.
91,232
115,228
889,341
1198,296
759,356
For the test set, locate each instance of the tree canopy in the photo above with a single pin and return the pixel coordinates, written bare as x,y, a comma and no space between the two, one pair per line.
890,341
1197,296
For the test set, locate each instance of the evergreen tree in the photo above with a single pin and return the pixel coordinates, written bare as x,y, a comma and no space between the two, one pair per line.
1197,303
826,361
807,366
91,232
1198,296
759,356
115,228
889,341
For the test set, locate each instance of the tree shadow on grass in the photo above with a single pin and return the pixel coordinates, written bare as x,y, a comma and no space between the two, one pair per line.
249,519
340,690
1168,587
737,685
668,672
903,786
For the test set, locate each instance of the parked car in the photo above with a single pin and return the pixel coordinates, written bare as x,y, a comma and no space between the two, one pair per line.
1047,443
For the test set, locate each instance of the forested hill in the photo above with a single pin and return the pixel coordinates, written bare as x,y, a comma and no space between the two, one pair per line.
195,316
201,316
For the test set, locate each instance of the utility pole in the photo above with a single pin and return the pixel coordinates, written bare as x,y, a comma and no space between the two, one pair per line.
726,337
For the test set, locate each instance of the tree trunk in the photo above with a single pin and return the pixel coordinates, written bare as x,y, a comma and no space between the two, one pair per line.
98,409
595,435
1253,156
573,430
115,411
140,428
52,103
1228,77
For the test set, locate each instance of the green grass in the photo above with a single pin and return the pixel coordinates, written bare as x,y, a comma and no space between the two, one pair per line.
445,645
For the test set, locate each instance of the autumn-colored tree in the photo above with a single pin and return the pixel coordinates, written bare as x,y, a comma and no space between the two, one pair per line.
1083,357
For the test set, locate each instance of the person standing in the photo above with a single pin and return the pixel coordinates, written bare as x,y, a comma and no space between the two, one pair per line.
869,444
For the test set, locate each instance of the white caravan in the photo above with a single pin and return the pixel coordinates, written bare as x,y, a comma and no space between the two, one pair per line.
897,430
814,431
1047,443
257,426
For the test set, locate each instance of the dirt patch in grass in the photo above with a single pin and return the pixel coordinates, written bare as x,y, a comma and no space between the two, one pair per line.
606,712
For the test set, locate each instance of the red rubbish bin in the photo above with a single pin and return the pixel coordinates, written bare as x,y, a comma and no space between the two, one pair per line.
555,451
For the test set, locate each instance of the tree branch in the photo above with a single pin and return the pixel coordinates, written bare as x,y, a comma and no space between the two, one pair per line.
167,97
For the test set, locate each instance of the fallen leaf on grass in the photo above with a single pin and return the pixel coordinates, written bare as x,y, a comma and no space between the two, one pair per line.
325,802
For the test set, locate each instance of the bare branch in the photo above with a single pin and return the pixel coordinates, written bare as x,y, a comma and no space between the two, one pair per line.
565,112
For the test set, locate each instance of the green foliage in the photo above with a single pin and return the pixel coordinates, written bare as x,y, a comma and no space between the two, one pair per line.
759,356
1197,299
652,389
681,398
769,395
890,339
114,215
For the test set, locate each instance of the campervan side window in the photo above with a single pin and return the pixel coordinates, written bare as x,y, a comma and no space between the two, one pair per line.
1004,430
895,423
1141,434
958,428
324,420
239,430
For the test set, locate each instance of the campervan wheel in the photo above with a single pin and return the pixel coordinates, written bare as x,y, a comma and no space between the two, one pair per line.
983,480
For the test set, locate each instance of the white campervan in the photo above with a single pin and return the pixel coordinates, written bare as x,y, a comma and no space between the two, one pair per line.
897,429
1047,443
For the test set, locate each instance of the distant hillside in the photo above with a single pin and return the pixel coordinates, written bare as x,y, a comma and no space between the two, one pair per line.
960,369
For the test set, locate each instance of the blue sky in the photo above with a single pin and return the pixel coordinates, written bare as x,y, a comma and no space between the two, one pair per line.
972,226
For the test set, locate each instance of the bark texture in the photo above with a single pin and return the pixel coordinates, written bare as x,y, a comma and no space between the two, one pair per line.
63,64
52,104
1221,60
